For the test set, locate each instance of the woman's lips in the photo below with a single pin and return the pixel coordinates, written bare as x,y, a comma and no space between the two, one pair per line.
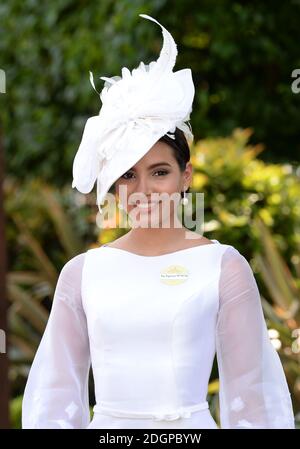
146,207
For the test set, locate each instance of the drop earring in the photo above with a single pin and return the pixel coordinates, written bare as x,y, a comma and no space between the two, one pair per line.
184,200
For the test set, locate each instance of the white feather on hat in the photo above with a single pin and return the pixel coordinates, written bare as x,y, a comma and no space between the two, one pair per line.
137,109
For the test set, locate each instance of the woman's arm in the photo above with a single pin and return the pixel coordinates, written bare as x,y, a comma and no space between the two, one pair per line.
253,388
56,392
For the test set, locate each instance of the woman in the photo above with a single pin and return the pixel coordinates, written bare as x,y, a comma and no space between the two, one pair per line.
150,310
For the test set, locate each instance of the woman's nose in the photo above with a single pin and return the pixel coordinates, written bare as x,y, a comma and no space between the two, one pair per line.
143,186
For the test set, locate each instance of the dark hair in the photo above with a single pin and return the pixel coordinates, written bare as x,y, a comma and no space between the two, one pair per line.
181,149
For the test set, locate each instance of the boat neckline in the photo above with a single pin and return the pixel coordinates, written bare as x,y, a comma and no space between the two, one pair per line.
163,255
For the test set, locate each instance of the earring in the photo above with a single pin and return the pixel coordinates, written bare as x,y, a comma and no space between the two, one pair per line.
120,205
184,201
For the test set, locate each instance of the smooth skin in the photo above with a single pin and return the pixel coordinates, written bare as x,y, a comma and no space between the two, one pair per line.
165,177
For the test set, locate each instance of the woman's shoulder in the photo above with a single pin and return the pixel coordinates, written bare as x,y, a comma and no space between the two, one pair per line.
74,265
235,267
192,238
68,286
229,252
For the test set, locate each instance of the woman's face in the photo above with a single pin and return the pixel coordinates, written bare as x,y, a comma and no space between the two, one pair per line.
156,173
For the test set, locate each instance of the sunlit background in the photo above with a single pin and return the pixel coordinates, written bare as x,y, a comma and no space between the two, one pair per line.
246,154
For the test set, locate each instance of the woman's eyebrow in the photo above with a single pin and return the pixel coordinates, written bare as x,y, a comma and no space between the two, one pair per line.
157,164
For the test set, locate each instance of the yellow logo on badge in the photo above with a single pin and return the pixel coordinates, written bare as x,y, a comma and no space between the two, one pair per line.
174,275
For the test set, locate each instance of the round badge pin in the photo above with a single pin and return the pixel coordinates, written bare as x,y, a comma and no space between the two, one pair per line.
174,275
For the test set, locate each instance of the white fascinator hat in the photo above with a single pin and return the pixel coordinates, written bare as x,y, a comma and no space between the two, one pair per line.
138,108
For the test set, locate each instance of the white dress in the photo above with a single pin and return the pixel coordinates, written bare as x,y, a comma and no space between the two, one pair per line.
149,327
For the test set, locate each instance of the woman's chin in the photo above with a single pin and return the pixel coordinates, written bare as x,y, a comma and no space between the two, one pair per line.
149,215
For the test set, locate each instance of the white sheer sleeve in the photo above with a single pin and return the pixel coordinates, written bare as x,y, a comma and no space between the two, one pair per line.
56,392
253,388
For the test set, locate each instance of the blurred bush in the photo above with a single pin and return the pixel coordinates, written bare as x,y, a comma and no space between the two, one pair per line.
252,205
48,48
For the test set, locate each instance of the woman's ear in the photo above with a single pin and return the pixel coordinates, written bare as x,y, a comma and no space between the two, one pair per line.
188,174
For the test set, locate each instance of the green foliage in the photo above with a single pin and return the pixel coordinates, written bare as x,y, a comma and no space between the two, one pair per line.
241,57
238,187
240,54
252,205
42,234
255,206
15,409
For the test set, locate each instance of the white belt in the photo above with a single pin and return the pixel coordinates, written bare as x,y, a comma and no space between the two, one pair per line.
181,412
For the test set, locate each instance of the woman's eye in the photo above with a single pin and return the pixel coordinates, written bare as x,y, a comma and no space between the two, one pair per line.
128,175
125,175
165,172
